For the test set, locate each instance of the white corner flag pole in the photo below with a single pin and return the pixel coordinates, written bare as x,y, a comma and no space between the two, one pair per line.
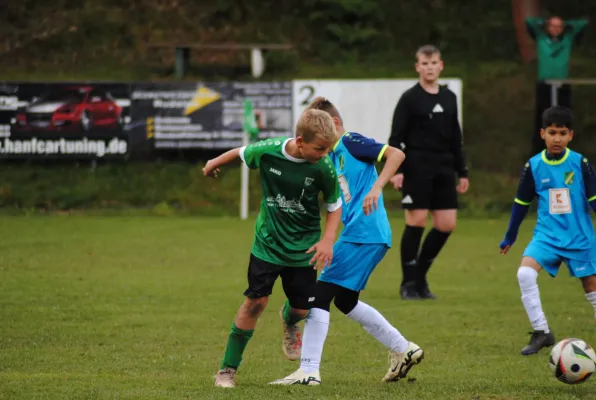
244,183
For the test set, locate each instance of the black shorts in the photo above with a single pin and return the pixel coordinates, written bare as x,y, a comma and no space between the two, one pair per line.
429,187
298,282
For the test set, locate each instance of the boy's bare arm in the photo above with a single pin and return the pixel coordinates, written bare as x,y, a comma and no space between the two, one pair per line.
324,248
212,166
393,159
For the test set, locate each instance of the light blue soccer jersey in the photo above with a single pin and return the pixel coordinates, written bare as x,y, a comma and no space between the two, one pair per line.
564,222
354,157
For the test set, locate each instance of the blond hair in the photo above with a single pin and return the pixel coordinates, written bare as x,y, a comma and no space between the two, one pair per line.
323,104
315,124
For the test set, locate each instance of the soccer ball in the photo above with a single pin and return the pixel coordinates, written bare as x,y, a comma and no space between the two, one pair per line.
572,361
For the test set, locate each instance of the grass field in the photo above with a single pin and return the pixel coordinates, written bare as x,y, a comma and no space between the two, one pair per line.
140,308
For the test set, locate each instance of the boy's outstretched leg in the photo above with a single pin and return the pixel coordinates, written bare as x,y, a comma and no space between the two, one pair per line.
403,355
541,337
241,332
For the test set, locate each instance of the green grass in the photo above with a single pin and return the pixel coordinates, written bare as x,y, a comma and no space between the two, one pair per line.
140,308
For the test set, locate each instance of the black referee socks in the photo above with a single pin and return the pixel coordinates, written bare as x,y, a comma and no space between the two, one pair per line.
410,243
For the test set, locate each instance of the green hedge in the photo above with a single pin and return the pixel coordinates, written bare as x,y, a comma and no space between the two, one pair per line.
173,188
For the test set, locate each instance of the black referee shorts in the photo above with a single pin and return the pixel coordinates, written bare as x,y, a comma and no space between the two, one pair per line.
298,282
429,187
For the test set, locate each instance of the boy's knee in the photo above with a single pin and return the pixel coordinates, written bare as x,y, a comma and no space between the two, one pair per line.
346,300
445,223
526,276
589,283
254,307
445,220
299,312
324,294
416,218
445,226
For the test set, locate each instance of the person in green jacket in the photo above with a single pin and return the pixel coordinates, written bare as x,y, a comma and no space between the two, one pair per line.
554,39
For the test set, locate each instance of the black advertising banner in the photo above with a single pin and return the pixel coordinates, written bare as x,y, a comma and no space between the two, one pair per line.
101,120
208,115
64,120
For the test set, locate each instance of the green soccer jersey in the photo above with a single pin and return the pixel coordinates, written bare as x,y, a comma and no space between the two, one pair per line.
289,222
554,54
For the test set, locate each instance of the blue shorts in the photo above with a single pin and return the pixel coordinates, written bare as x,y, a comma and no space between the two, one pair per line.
580,263
353,263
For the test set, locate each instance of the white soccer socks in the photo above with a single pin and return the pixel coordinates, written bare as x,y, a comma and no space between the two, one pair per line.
592,299
374,323
527,278
313,339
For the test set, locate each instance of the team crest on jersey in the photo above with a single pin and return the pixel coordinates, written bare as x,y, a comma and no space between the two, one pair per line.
569,177
308,181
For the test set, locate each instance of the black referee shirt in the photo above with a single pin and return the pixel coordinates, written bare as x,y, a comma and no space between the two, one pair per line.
427,123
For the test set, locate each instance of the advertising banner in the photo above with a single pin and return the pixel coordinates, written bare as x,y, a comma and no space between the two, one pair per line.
64,120
208,115
102,120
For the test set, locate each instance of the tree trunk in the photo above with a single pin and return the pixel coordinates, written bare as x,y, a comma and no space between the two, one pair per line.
521,9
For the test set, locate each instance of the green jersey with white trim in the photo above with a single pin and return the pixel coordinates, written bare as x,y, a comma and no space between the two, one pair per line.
289,222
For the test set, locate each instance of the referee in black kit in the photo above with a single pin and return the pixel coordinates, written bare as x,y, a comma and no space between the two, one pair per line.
425,126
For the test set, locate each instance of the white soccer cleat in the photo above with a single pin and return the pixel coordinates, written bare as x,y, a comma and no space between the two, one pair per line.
292,341
400,363
300,378
226,378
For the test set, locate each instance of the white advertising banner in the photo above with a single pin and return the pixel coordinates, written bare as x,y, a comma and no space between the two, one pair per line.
366,106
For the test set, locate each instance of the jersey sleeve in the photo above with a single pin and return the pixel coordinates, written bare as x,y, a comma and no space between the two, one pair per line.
533,26
527,187
576,26
399,125
363,148
589,178
251,154
330,186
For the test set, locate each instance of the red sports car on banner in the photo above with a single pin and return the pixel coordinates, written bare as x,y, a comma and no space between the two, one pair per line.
73,108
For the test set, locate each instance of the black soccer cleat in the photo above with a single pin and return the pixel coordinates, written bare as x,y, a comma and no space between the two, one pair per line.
425,293
408,291
538,340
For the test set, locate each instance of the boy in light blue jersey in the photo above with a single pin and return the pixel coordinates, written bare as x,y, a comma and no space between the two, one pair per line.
565,184
364,241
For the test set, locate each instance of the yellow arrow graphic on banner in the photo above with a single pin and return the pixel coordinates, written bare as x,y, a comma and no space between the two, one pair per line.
202,97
